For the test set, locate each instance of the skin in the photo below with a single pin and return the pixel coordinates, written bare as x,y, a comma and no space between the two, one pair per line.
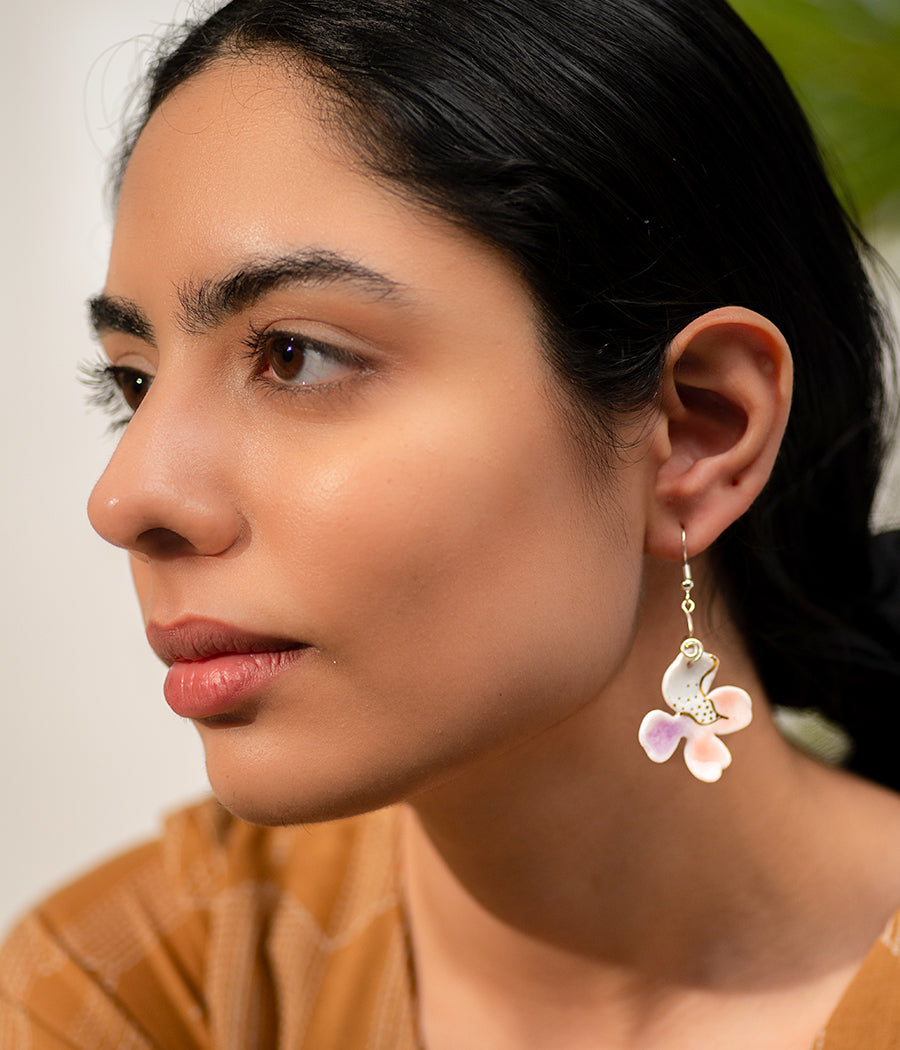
409,548
485,630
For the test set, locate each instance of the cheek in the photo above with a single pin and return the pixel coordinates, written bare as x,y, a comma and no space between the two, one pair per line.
449,564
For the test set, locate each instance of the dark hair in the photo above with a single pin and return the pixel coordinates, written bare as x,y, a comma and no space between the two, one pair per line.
641,162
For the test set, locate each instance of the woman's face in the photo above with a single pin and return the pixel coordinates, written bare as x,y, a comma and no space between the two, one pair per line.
359,531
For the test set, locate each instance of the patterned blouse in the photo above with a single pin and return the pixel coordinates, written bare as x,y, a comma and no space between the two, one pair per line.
234,937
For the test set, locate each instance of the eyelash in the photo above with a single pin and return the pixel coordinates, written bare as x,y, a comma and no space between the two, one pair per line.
259,340
104,385
105,382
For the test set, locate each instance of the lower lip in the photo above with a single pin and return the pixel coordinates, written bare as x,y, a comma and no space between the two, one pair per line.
208,688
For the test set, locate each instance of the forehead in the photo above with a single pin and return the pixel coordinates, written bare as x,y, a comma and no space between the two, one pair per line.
245,132
238,163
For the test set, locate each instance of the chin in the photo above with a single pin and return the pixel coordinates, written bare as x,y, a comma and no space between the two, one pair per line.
277,812
272,778
273,801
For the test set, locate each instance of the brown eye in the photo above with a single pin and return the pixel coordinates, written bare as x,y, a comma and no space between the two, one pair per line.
295,360
287,355
133,385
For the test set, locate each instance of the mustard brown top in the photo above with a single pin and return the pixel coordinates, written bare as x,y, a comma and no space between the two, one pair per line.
225,935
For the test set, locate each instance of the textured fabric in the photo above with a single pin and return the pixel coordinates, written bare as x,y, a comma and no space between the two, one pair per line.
225,936
221,935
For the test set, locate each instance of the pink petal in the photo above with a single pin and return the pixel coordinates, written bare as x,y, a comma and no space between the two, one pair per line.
706,756
735,707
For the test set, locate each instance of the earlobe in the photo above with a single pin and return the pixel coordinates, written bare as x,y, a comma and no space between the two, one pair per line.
724,406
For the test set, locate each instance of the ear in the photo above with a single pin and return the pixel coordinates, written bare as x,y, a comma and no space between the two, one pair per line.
726,396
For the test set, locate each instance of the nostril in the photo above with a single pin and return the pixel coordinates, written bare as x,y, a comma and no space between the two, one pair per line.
148,503
161,543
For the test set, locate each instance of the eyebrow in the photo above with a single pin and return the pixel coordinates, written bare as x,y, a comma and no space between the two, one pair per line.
112,313
206,305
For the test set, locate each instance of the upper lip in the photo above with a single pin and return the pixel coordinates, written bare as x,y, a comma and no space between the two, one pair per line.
197,639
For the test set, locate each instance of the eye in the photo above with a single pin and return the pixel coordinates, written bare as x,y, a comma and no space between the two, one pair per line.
133,385
297,360
115,388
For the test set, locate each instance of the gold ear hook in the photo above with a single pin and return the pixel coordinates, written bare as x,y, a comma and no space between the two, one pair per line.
687,583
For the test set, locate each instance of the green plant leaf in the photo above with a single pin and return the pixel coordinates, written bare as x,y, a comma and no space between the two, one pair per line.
842,57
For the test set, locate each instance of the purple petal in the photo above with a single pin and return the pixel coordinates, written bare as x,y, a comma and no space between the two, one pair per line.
659,734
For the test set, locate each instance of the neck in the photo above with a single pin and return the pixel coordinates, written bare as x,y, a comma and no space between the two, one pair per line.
553,847
573,862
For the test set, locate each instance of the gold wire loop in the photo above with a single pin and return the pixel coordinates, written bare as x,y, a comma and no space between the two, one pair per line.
691,648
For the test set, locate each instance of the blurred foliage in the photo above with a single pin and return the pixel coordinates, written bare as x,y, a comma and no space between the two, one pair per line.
842,58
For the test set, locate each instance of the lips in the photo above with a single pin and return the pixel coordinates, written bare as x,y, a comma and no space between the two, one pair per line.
215,668
202,639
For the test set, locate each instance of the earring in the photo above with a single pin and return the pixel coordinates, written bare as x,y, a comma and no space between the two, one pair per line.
701,715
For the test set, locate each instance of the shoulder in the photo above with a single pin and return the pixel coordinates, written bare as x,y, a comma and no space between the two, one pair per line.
869,1013
167,942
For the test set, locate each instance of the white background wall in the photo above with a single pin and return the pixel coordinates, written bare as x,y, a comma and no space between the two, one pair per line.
90,755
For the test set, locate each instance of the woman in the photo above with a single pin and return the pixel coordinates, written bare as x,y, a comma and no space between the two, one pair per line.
457,344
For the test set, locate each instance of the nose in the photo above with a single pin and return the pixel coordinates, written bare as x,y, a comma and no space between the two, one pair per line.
164,493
